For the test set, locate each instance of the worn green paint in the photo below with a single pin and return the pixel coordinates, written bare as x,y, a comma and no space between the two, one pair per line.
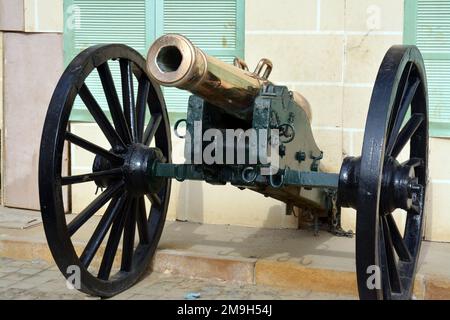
306,179
410,22
435,61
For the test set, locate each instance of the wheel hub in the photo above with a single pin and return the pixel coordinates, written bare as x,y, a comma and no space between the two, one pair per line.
137,173
398,186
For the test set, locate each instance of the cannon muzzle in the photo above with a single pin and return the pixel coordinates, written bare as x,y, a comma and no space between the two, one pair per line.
173,61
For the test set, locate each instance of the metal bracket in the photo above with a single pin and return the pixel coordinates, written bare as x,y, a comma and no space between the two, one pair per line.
316,160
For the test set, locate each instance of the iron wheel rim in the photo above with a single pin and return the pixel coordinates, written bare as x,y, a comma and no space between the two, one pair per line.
50,168
401,78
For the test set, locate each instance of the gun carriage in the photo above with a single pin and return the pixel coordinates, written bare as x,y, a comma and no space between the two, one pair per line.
265,119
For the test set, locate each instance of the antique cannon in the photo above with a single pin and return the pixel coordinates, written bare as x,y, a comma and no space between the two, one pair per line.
253,134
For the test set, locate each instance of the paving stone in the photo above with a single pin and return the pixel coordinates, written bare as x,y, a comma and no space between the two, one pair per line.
15,276
22,285
17,263
6,283
4,261
25,296
7,269
141,297
11,293
29,271
44,282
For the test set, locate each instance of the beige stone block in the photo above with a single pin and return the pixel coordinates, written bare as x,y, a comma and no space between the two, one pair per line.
332,15
173,204
352,143
223,268
298,57
355,106
204,203
282,15
348,219
177,157
32,66
419,287
439,152
330,142
295,276
374,15
25,250
437,288
364,55
326,104
437,226
43,15
91,132
11,15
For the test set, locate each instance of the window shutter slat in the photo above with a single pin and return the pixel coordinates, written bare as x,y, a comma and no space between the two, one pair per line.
103,22
212,25
433,39
111,21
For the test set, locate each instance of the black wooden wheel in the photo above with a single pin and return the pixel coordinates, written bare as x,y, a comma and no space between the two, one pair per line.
376,184
122,171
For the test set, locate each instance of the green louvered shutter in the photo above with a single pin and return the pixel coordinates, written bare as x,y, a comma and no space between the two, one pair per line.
91,22
215,26
427,24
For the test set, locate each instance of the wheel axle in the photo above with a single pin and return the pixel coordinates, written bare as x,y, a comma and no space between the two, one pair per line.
399,184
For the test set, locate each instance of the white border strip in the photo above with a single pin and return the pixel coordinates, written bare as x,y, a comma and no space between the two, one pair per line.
440,181
36,15
323,33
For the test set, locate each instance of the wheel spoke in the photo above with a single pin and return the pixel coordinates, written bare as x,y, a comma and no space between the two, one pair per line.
397,240
128,96
113,242
142,97
142,222
101,119
413,162
112,173
113,101
403,109
100,232
407,132
94,206
394,277
151,129
128,237
404,83
154,199
82,143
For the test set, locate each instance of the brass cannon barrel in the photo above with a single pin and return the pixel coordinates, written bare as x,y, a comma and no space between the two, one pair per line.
173,61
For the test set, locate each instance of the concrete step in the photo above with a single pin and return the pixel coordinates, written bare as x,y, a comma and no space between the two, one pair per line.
293,259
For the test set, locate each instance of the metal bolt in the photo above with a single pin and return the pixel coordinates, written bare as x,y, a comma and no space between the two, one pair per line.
282,150
300,156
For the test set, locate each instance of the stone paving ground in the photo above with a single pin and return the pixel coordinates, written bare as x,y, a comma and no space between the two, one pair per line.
37,280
